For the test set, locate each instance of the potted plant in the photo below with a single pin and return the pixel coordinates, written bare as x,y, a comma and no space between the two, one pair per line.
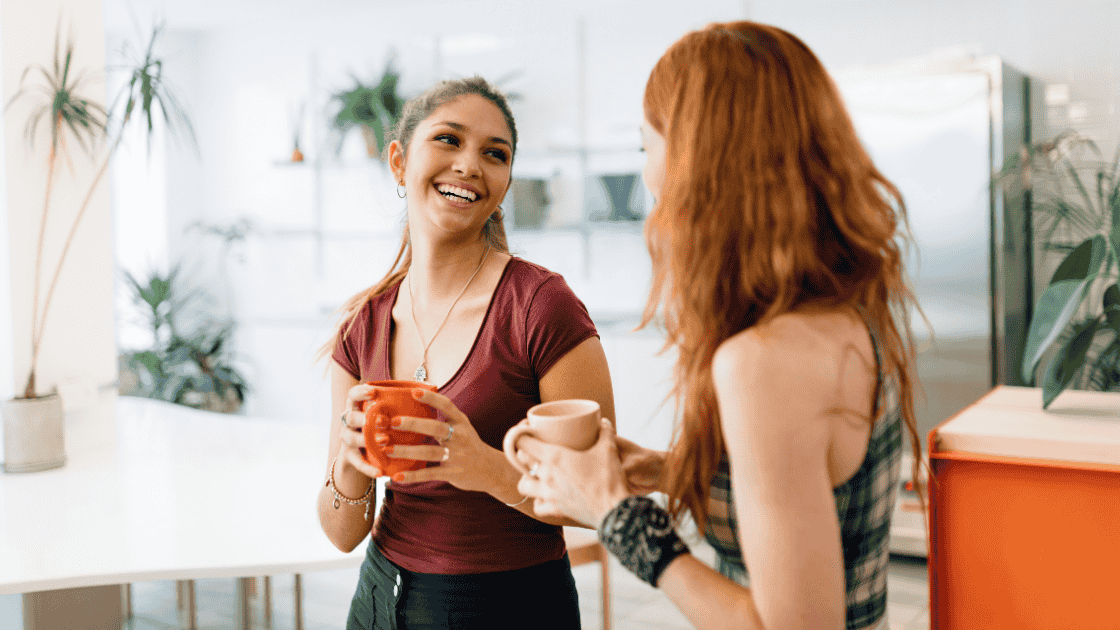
1075,196
374,108
33,424
296,123
192,368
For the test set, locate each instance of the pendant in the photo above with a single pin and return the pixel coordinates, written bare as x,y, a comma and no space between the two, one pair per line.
421,374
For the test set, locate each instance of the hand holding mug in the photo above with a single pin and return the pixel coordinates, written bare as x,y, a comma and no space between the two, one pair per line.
389,400
573,423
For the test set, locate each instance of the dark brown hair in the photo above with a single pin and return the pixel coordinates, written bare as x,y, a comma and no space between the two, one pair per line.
770,203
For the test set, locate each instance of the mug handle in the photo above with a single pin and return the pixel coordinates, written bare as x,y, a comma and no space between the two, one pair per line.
510,445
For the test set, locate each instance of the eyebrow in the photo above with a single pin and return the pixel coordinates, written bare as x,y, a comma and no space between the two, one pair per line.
461,127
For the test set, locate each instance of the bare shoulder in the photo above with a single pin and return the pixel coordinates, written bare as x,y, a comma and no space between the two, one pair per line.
808,345
796,356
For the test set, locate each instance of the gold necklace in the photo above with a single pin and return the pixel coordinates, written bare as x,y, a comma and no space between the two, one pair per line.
421,373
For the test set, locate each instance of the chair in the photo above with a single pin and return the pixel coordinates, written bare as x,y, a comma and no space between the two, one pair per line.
583,547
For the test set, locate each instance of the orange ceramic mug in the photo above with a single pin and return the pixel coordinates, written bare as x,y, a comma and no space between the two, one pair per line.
392,399
573,423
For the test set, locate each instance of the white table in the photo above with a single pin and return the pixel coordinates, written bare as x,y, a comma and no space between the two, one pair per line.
156,491
1080,426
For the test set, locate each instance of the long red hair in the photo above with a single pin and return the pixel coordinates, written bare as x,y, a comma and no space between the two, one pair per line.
770,203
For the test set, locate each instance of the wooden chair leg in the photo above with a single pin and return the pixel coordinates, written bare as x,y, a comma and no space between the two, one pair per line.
185,600
605,566
299,601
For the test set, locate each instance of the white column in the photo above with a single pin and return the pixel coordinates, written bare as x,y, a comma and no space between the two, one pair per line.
78,354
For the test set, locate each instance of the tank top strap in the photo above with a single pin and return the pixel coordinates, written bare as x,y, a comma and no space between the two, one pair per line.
878,359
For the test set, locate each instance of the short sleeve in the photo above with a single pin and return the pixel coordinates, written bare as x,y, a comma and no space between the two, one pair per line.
556,322
350,341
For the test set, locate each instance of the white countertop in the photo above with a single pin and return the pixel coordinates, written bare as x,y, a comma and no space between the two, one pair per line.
170,493
1009,421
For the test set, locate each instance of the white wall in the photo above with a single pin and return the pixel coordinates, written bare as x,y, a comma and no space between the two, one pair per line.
7,350
243,76
78,352
244,69
1070,42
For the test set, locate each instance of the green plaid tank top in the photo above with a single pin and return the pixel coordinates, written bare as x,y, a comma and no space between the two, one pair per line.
864,505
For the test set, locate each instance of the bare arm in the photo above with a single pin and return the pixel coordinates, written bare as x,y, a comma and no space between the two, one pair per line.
774,399
345,526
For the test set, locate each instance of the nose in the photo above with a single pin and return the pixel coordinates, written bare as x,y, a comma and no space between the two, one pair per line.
467,164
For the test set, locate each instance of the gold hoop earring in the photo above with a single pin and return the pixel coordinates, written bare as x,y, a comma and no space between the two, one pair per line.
399,191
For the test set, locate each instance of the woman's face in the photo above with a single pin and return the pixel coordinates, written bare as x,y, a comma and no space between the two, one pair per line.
653,144
458,166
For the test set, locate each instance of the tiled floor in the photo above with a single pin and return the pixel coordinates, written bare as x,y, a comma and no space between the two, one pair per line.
636,606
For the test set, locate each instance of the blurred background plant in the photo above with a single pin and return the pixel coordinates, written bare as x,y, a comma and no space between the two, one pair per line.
373,107
189,365
89,124
1075,196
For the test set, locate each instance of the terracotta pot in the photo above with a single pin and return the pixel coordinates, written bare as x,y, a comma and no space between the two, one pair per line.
392,399
33,434
297,155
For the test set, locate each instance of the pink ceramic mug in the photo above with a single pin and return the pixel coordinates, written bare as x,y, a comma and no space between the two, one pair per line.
573,423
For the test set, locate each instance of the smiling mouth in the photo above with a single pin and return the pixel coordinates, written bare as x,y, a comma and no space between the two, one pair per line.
455,193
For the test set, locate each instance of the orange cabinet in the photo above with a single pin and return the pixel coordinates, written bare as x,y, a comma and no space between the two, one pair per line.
1025,513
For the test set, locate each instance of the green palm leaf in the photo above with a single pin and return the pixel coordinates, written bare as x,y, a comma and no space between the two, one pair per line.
1059,302
1067,363
1054,311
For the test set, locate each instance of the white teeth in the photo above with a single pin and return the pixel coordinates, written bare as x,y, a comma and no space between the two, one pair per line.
446,189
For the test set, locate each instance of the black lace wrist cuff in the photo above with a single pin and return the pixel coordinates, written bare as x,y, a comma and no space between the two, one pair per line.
640,534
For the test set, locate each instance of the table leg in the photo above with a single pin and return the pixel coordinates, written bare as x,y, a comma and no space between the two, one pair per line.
185,599
192,611
267,601
299,601
244,609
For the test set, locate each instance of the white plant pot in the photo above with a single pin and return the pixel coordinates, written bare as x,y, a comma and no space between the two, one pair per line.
33,434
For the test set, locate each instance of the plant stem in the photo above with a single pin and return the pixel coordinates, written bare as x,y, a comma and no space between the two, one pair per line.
29,389
73,230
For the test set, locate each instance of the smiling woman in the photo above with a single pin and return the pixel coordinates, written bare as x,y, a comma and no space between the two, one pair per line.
462,153
455,544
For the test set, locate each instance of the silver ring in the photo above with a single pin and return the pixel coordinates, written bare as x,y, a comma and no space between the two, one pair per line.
450,432
446,454
343,419
533,469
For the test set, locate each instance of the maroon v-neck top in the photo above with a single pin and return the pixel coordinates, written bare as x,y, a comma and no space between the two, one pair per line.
533,320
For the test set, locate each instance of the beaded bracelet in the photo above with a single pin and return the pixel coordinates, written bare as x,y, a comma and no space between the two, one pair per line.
340,498
640,534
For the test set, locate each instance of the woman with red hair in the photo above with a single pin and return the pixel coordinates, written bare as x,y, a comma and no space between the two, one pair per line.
779,279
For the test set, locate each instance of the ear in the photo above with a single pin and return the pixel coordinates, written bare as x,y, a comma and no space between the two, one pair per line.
509,185
396,160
